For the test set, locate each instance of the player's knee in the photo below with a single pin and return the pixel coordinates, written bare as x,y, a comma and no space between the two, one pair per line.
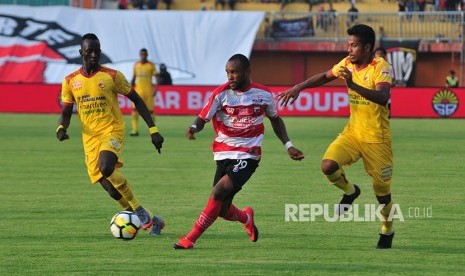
222,190
106,169
328,167
384,199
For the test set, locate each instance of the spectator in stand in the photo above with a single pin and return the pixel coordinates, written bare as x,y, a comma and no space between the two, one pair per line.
321,18
152,4
164,77
381,33
168,4
284,3
268,31
421,8
410,9
452,80
430,5
232,4
353,15
123,4
222,3
203,5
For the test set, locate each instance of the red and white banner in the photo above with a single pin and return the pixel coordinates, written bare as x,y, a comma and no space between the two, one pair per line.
189,100
41,44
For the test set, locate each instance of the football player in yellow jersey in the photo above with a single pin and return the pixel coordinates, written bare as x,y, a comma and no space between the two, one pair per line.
144,72
367,135
94,89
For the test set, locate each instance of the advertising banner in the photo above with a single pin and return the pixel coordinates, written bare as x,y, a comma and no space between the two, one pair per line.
189,100
300,27
41,44
402,55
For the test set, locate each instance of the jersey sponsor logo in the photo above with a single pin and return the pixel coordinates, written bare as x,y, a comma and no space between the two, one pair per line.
445,103
244,111
242,122
258,99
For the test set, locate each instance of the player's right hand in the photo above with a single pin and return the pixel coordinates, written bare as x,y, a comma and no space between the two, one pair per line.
190,133
62,135
295,154
288,96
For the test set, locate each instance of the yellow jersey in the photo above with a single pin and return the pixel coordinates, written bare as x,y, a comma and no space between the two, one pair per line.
96,97
368,121
143,72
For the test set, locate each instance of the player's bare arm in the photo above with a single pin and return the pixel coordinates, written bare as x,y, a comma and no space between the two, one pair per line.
380,95
290,95
157,139
196,126
64,121
279,129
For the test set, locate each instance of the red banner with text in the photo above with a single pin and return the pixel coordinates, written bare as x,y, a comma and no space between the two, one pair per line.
189,100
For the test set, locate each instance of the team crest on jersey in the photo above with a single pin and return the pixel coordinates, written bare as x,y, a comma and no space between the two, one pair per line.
114,143
230,110
256,109
101,85
77,85
366,78
445,103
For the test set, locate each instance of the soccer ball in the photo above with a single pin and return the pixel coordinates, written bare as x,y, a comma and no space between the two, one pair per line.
124,225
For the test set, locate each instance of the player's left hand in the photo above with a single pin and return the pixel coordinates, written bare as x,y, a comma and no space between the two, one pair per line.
157,141
295,154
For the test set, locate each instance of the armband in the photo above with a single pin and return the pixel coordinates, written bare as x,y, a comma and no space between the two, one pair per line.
288,145
153,130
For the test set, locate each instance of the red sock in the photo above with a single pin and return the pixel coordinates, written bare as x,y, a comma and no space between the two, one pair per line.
206,218
235,214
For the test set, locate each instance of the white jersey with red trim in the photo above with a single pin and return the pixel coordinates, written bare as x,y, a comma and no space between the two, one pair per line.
237,118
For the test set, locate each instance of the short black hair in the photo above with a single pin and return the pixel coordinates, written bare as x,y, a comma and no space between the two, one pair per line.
243,60
143,50
382,50
89,36
452,72
365,34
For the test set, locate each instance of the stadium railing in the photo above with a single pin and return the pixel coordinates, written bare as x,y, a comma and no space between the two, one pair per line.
327,26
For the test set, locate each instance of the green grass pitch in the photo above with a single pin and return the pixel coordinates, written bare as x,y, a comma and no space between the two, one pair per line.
53,222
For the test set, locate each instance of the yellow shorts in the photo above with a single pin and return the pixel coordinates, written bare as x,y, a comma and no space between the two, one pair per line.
111,143
377,159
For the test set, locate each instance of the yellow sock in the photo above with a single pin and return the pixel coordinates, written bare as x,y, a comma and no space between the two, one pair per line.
387,225
121,184
134,117
339,180
124,204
